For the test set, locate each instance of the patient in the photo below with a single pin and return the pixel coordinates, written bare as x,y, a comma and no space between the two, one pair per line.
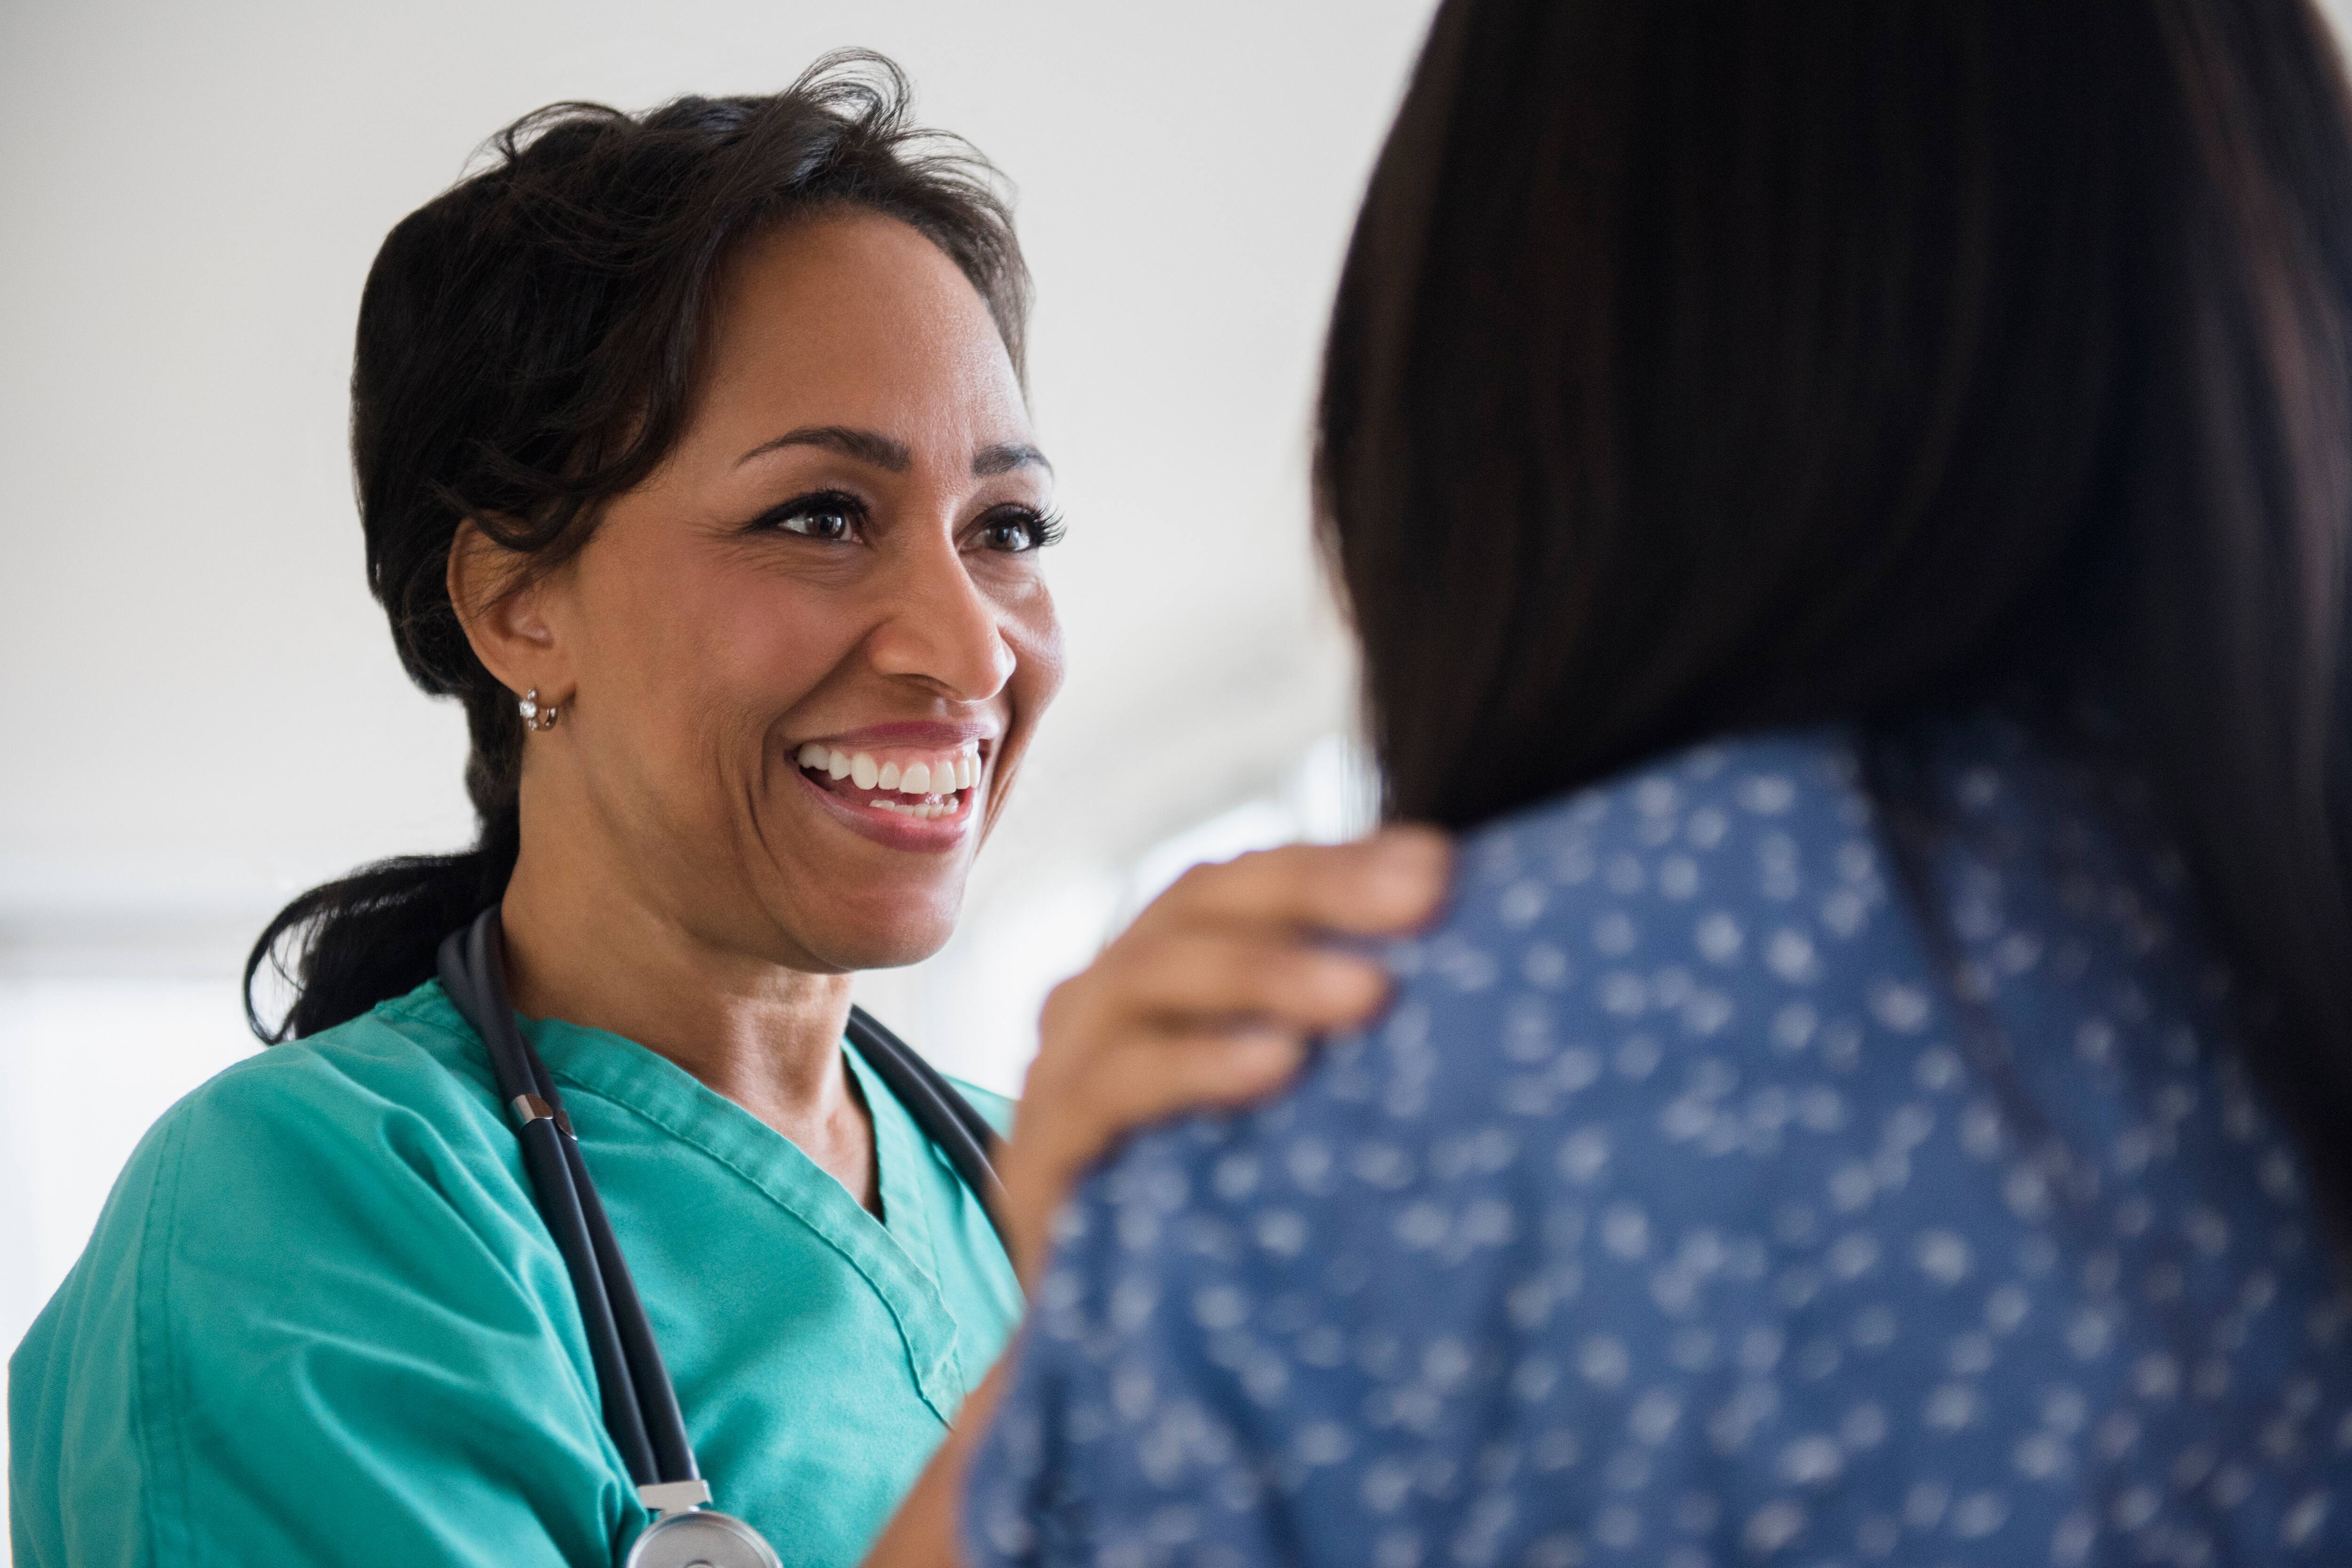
1850,503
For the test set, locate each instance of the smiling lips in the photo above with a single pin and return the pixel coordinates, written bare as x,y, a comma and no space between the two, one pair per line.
922,785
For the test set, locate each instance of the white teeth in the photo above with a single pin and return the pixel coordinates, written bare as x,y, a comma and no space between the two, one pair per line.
927,777
925,811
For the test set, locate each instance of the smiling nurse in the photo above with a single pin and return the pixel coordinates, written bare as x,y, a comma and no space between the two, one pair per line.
693,458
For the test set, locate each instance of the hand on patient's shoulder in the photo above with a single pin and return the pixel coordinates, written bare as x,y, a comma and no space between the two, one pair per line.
1210,999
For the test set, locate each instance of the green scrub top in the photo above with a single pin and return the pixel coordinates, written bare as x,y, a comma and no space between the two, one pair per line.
321,1320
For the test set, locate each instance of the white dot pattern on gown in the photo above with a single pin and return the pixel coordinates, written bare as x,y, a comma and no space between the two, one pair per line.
1697,1205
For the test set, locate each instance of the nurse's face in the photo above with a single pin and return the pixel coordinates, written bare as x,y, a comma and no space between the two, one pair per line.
809,653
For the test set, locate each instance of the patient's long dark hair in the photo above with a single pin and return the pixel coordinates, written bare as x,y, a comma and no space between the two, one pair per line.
528,344
1708,366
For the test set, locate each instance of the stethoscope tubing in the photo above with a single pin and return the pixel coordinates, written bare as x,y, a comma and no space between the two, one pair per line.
640,1404
639,1401
947,1118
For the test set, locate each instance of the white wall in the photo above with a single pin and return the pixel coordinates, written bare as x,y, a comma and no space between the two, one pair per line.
201,711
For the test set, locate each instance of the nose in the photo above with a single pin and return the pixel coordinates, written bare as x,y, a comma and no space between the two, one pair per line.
940,629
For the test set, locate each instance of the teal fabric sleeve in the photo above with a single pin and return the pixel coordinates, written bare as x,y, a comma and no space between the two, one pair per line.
309,1328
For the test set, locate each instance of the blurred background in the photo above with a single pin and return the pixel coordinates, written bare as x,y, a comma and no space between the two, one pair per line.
202,713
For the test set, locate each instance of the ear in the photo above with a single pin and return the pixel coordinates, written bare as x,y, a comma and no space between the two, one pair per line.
509,628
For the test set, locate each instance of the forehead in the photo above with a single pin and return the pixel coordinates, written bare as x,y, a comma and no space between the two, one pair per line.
855,319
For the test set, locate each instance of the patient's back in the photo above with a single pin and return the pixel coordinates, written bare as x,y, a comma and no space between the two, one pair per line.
1700,1203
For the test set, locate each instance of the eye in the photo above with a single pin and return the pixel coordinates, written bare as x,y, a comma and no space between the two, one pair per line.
828,515
1017,530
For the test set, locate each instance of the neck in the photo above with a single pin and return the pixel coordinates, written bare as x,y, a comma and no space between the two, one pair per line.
584,947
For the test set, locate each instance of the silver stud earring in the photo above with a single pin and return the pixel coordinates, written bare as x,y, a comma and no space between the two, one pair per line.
535,717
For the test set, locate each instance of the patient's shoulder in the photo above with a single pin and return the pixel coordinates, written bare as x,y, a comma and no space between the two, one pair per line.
1697,962
1709,918
1683,872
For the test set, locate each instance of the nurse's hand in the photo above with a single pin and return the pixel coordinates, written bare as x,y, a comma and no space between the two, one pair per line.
1209,999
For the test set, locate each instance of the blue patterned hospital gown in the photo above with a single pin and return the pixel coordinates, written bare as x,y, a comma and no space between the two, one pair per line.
1688,1209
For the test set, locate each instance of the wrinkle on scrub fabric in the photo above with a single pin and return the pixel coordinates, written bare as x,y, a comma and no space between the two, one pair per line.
321,1321
1699,1204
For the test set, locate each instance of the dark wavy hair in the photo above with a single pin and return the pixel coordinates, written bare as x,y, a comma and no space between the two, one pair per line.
529,345
1698,368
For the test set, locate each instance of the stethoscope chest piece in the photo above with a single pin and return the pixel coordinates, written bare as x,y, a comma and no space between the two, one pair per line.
700,1539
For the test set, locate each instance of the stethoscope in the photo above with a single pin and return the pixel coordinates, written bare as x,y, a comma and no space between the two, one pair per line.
640,1404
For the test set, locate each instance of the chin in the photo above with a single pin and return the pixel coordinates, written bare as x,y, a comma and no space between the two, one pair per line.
899,949
859,939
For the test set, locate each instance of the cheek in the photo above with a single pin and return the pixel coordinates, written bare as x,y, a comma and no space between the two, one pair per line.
768,646
1036,633
710,660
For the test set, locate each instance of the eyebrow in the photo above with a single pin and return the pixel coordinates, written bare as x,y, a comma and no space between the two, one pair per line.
865,446
883,452
1005,456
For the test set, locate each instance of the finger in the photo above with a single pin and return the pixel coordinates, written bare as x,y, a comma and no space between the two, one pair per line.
1203,975
1153,1075
1193,1068
1390,882
1149,1078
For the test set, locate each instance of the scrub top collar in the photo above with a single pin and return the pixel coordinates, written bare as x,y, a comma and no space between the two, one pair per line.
895,1255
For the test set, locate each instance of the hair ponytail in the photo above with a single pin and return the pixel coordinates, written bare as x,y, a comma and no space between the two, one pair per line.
528,346
373,936
376,934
